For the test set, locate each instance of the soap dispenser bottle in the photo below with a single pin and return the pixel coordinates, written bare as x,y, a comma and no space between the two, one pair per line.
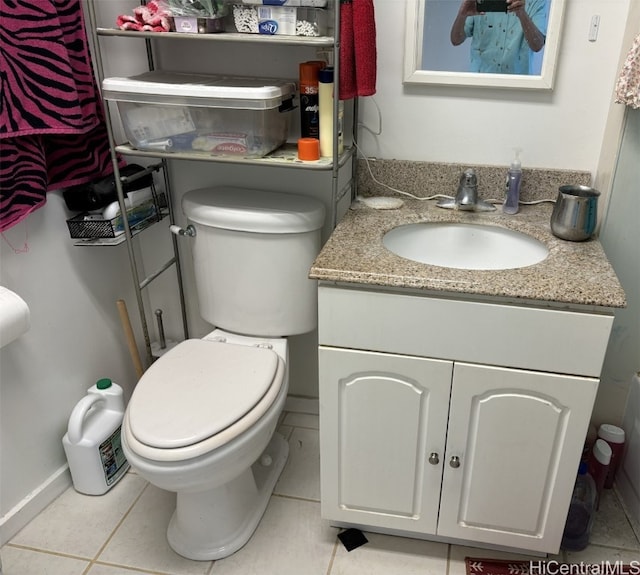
514,181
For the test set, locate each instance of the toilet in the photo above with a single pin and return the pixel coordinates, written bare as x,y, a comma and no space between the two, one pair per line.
201,420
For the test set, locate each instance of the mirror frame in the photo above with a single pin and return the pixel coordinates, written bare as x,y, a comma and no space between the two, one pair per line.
414,29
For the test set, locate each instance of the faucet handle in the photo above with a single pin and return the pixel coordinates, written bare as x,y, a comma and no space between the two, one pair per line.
469,177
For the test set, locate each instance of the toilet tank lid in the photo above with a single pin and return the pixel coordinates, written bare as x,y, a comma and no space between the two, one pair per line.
247,210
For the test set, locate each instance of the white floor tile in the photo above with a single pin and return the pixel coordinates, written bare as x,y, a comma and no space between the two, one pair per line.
80,524
285,431
17,561
387,555
301,475
302,420
596,554
290,540
141,541
611,527
99,569
297,404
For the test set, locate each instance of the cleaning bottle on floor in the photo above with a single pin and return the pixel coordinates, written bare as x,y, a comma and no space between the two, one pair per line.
92,442
577,530
614,436
599,462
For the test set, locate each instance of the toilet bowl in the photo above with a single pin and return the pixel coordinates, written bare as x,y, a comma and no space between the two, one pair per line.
201,421
187,430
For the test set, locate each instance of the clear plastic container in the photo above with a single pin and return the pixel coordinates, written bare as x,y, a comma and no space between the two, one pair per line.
195,25
577,530
272,20
202,113
307,3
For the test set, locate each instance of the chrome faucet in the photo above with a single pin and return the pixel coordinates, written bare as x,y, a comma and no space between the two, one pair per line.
467,195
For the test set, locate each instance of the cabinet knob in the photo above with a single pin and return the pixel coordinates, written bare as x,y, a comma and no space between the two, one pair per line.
454,461
434,459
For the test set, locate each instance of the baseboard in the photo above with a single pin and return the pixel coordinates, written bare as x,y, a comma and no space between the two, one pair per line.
22,513
299,404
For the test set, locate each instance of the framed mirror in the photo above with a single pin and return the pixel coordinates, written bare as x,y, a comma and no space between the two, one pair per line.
431,57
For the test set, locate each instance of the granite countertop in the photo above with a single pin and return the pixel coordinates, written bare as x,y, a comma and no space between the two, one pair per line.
574,273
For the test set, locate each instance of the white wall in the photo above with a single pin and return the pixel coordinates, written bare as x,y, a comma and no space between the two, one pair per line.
620,237
558,129
75,339
76,336
628,476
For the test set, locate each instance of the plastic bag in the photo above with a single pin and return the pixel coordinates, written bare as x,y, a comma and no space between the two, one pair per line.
196,8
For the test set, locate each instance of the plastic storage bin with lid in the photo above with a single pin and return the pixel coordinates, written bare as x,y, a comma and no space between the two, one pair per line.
216,115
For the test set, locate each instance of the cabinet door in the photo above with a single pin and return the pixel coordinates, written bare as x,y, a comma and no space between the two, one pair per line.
517,436
382,416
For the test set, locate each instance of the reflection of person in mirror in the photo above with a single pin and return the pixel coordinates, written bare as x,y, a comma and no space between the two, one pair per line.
501,42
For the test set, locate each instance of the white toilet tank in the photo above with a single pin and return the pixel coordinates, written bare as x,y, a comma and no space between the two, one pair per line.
252,253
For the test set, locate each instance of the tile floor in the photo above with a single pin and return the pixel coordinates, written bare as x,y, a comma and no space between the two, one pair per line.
123,533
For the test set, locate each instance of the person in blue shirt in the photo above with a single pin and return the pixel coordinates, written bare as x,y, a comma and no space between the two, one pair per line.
502,43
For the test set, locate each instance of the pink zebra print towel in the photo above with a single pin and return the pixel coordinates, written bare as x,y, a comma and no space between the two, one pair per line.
52,131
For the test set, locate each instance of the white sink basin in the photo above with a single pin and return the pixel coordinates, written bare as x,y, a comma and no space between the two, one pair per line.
465,246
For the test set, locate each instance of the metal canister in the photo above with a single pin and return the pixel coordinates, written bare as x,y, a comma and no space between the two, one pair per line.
575,213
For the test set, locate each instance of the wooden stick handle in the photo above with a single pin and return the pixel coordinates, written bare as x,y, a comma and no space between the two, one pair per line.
131,342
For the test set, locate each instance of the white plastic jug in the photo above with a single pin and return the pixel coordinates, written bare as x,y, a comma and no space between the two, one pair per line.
92,442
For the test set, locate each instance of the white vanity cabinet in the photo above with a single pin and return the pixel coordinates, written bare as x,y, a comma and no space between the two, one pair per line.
517,436
381,417
420,437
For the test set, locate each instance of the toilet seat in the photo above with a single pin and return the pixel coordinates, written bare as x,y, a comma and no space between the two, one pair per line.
199,396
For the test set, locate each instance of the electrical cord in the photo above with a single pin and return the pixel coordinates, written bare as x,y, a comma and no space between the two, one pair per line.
366,159
408,194
392,189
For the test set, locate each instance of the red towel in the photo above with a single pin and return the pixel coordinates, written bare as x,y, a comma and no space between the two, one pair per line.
358,57
347,52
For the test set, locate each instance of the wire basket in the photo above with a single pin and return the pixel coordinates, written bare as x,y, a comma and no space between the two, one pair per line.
148,209
88,226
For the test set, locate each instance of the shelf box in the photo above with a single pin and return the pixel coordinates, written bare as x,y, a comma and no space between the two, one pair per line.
305,3
195,25
213,115
288,19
